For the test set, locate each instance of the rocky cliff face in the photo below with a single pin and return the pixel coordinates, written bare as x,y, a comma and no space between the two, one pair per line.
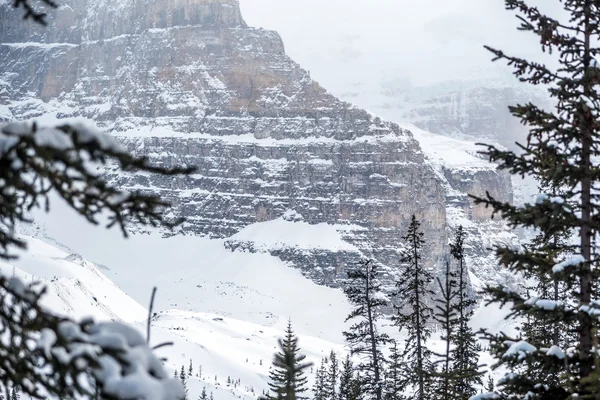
188,82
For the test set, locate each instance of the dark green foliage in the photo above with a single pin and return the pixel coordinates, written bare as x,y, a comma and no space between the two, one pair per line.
413,314
364,292
333,373
33,12
547,333
287,379
465,354
346,377
394,381
489,385
561,152
183,379
447,317
319,389
203,395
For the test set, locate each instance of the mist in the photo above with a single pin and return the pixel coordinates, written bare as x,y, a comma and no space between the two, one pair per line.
367,42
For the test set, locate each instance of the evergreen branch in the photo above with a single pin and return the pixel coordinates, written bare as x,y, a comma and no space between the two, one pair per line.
31,12
36,161
526,71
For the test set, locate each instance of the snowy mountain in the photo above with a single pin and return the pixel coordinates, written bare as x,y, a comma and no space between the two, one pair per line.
191,83
226,329
221,346
420,63
294,184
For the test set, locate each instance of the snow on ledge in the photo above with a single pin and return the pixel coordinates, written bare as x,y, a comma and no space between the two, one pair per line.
449,152
285,233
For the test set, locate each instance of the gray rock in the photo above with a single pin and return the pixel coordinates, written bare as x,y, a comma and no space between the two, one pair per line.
189,83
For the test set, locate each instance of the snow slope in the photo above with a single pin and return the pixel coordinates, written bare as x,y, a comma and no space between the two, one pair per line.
223,347
449,152
76,287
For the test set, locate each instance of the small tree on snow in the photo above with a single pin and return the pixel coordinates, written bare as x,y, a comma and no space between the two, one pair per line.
346,377
332,377
183,379
445,315
465,354
364,292
394,377
287,379
320,386
413,314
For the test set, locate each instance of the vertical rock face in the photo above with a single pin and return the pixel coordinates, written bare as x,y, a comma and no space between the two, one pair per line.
188,82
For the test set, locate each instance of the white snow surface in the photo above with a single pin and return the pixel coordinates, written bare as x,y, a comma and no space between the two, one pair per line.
281,233
223,346
519,349
452,153
569,262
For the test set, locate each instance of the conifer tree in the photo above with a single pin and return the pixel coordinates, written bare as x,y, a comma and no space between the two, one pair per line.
447,317
183,379
319,389
394,381
287,379
561,150
203,395
465,354
413,314
190,369
357,388
346,377
364,292
489,385
333,373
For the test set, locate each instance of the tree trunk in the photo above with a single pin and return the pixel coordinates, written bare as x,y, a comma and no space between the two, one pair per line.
373,343
417,312
586,326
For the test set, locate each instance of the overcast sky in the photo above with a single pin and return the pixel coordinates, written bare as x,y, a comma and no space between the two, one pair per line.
343,42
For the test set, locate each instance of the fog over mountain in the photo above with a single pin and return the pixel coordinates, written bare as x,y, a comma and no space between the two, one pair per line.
343,42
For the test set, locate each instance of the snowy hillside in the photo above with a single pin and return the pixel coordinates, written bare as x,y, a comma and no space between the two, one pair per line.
223,347
219,347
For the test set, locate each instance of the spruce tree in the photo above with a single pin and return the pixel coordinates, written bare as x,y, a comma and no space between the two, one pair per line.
364,292
333,373
190,369
319,389
203,395
287,379
465,354
413,314
183,379
562,151
346,377
447,318
357,388
489,385
394,381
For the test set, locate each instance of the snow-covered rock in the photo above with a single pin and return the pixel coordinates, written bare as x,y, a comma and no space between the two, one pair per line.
190,83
